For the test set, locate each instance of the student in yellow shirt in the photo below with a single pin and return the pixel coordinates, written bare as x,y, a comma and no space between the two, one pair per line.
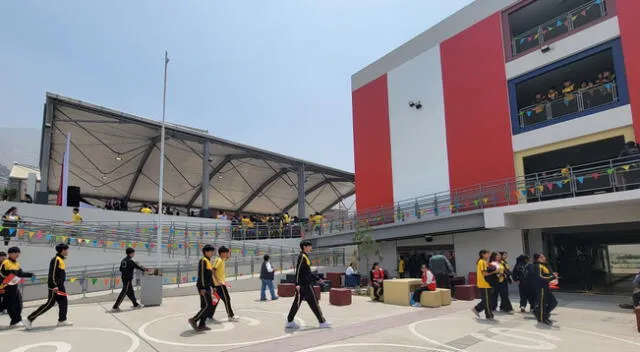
145,209
401,265
220,282
483,270
76,218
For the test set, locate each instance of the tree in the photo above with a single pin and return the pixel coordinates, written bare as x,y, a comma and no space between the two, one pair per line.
8,194
366,245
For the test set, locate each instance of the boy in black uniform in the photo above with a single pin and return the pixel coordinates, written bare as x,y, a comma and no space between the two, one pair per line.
12,299
545,301
204,284
57,292
127,266
304,289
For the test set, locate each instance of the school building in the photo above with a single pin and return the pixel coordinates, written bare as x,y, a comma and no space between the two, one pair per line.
502,127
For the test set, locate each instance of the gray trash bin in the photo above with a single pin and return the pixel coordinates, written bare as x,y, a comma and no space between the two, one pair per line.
151,289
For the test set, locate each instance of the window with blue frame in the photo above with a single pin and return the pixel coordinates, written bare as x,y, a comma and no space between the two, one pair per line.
583,84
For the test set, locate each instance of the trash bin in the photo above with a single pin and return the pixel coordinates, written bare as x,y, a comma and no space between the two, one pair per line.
151,288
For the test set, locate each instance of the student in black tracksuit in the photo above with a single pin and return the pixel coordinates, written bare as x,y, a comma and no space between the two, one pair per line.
523,279
57,292
12,299
204,285
127,267
304,289
3,256
545,302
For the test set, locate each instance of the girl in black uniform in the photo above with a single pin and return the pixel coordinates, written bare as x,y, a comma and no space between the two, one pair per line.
12,299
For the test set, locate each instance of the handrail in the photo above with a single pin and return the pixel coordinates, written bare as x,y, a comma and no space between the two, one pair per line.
578,96
600,176
538,32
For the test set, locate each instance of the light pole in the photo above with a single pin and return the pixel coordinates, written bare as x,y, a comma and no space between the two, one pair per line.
161,181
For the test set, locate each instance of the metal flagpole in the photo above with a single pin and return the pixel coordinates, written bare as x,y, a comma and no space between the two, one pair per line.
161,182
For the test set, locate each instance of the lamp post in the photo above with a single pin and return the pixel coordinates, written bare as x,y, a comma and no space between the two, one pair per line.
161,181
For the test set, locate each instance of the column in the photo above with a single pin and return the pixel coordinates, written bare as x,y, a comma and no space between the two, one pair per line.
205,179
301,192
45,154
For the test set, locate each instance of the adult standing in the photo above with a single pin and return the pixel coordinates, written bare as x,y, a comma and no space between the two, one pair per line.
441,267
267,274
10,221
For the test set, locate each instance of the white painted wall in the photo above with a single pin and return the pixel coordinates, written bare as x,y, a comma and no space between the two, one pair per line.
418,139
584,126
575,43
52,212
437,241
467,246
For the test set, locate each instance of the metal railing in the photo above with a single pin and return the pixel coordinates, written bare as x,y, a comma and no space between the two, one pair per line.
573,102
103,278
558,26
613,175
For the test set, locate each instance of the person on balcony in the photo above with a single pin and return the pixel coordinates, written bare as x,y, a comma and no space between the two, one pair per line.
541,100
567,90
553,94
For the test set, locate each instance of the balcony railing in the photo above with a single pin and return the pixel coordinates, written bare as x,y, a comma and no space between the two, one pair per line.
578,101
558,26
613,175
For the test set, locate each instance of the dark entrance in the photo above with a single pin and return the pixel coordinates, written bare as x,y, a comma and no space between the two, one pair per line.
599,259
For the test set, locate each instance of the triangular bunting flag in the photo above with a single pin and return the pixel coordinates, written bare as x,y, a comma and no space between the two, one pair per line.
625,167
532,190
12,231
524,192
559,184
529,113
550,186
93,281
558,23
106,281
610,171
117,281
73,279
595,175
580,179
485,200
541,188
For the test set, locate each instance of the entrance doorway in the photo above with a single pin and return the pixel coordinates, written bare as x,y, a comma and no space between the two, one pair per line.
598,259
415,256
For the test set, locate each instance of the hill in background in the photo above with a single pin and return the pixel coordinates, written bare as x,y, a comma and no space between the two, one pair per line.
20,145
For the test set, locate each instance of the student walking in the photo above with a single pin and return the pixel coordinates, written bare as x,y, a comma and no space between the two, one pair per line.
523,279
428,284
127,267
57,291
204,285
12,298
304,289
503,284
3,256
267,274
484,271
546,301
220,282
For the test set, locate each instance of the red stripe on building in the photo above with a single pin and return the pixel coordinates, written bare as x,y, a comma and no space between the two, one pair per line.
372,145
628,17
477,106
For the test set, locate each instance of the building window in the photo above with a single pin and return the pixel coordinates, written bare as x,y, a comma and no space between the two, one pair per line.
543,21
583,84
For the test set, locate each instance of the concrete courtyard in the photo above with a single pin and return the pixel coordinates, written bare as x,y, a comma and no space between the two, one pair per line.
588,323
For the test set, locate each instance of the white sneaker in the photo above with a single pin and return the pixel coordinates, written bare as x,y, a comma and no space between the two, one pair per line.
292,325
139,306
234,318
64,323
16,325
417,305
27,324
325,325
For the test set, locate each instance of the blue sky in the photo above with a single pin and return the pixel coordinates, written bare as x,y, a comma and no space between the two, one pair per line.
272,74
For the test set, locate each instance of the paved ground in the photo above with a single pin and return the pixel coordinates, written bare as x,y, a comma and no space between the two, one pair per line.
585,323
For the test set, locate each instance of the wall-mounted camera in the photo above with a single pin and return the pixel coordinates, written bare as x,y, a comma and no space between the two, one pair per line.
428,238
415,104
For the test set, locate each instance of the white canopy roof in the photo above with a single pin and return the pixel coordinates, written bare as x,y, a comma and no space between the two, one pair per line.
114,154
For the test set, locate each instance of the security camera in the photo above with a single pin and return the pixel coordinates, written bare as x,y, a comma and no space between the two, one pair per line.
428,238
418,105
412,103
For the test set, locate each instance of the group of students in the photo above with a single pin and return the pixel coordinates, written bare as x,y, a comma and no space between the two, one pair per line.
534,282
11,275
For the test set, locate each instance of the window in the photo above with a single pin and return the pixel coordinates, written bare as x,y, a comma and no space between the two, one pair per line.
580,85
543,21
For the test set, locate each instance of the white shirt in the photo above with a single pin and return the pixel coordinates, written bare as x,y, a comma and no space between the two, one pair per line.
350,271
269,268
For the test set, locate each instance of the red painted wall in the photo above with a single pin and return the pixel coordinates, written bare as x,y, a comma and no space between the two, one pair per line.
372,145
628,18
476,105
